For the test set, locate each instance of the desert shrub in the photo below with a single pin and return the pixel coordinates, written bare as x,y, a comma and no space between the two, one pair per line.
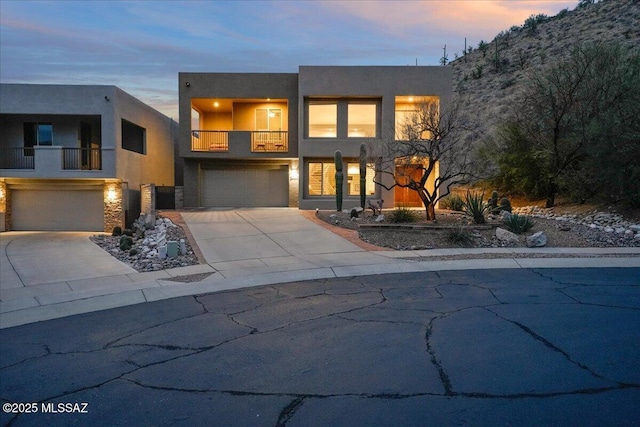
133,252
126,242
117,231
128,232
505,205
475,207
401,215
518,223
452,202
460,237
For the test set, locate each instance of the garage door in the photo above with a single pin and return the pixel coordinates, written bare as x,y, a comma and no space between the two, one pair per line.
57,210
255,187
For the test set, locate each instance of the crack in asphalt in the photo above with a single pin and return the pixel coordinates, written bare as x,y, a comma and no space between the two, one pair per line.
298,400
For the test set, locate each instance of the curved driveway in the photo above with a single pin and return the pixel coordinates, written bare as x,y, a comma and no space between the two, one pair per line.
520,347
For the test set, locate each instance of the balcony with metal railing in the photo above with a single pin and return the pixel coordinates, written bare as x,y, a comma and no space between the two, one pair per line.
239,142
17,158
81,158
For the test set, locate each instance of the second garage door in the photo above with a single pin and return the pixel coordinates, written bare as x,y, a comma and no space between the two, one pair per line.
57,210
246,187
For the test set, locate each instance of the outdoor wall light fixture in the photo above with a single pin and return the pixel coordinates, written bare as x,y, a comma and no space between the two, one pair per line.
293,174
188,84
111,195
106,98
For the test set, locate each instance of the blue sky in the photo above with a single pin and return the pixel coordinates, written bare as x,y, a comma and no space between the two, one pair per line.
141,46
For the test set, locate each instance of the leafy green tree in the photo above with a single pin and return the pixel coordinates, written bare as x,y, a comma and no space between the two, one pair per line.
575,127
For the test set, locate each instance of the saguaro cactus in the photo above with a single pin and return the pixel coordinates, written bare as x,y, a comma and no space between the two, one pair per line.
363,175
339,179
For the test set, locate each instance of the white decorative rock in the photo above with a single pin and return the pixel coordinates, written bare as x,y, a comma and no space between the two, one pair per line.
608,230
380,218
537,240
506,236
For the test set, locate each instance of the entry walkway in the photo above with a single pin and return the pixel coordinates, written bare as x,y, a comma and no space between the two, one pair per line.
51,275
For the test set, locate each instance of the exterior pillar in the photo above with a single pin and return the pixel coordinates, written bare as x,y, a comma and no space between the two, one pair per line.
113,205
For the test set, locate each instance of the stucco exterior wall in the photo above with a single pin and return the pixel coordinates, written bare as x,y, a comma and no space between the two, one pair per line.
369,82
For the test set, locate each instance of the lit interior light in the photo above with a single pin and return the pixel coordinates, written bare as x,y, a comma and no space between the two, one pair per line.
216,104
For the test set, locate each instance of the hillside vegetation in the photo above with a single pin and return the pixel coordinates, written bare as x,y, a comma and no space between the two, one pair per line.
539,42
558,102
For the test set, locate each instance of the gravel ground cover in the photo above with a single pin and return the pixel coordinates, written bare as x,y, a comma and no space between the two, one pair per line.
145,257
562,230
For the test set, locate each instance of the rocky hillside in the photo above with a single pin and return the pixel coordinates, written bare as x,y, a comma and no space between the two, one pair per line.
491,74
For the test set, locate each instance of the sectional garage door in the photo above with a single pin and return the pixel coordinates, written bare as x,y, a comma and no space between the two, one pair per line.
254,186
57,210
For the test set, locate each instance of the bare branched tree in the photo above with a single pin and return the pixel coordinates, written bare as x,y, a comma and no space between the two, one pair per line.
432,151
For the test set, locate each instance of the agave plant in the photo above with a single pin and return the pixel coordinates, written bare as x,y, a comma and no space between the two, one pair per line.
518,223
475,207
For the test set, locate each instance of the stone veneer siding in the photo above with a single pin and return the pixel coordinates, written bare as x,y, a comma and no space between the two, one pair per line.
113,209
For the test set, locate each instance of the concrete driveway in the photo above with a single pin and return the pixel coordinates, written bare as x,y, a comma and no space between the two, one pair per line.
49,264
251,241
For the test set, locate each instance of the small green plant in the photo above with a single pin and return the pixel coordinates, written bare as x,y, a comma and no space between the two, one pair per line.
518,223
493,202
453,202
402,214
133,252
126,242
505,205
475,207
460,237
128,232
117,231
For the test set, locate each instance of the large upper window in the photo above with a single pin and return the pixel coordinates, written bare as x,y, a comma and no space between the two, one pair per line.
323,120
361,120
322,179
410,112
133,137
37,134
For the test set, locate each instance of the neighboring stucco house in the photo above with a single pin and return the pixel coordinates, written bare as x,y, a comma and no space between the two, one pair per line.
252,139
73,157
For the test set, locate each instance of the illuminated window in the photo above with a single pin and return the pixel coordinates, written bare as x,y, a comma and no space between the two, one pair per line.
407,116
268,119
323,120
322,179
353,179
361,121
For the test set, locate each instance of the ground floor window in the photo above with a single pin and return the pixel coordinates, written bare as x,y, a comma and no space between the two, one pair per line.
322,178
353,179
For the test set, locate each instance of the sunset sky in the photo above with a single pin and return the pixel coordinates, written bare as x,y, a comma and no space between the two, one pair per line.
140,46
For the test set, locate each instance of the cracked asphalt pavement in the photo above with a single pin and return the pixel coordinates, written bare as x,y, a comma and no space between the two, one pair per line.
490,347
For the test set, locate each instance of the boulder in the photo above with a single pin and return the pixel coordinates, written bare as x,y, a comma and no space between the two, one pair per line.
506,236
537,240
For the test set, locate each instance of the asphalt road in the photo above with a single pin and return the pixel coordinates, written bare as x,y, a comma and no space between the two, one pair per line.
486,348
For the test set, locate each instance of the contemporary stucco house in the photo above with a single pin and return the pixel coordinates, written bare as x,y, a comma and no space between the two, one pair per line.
73,157
261,139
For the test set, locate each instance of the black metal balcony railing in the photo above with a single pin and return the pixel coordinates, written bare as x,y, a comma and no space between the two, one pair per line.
269,141
82,158
209,140
16,158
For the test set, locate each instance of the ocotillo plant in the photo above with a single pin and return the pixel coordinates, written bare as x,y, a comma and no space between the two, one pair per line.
339,179
363,175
